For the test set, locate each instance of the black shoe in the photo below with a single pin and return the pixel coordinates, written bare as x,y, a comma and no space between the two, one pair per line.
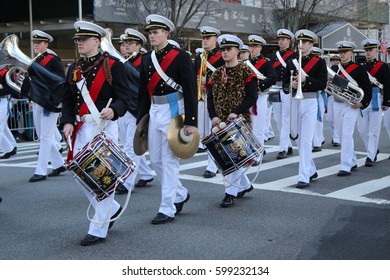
353,167
290,151
9,154
335,144
143,183
1,199
314,176
343,173
256,163
113,217
208,174
91,240
161,218
323,142
369,162
37,178
201,150
302,185
121,190
376,156
316,149
228,201
282,155
241,194
57,171
179,206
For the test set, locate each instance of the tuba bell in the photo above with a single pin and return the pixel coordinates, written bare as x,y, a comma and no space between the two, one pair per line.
46,88
343,89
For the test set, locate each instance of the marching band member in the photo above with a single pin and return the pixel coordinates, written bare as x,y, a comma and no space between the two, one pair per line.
314,76
370,120
209,60
244,53
78,106
264,67
281,107
334,60
318,138
163,101
45,121
232,90
7,140
346,114
122,46
133,41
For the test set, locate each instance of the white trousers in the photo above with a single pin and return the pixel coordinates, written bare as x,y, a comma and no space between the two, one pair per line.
345,120
204,127
369,127
127,126
282,118
269,132
318,137
259,121
46,128
163,160
7,140
106,208
330,119
304,123
236,182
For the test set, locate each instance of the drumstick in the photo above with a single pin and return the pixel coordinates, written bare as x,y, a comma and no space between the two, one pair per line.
69,143
102,122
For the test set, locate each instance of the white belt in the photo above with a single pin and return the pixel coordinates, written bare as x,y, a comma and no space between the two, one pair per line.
87,118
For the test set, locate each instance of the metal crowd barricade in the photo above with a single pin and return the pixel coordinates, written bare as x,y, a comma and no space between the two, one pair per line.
20,120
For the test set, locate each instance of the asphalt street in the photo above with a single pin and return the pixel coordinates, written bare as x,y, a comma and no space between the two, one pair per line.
336,218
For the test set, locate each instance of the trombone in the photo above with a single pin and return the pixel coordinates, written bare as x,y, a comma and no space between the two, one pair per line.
298,95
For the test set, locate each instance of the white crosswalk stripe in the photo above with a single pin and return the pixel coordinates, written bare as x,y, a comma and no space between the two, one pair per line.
26,157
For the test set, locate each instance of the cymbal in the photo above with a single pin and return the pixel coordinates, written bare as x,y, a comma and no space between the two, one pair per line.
140,142
179,147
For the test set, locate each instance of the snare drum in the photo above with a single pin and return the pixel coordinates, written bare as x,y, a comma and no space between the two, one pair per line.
101,166
233,146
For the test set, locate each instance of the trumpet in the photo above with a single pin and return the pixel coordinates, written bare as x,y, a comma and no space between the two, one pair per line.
343,89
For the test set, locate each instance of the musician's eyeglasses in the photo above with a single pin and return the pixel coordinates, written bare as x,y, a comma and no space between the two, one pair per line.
129,42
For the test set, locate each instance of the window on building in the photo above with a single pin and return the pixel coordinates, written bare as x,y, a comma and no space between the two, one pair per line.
252,3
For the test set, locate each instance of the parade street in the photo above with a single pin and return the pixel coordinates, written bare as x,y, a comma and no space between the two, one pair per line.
335,218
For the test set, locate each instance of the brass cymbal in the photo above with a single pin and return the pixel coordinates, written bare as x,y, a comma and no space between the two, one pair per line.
178,146
140,142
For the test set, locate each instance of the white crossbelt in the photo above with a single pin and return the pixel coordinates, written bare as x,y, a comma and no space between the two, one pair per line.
341,68
82,86
211,67
281,60
168,80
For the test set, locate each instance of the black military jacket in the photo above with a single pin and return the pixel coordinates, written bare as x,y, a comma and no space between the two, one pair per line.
268,71
119,91
317,76
360,75
181,71
280,70
218,63
383,76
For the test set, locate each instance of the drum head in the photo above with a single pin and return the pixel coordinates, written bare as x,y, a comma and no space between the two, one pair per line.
179,147
140,142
